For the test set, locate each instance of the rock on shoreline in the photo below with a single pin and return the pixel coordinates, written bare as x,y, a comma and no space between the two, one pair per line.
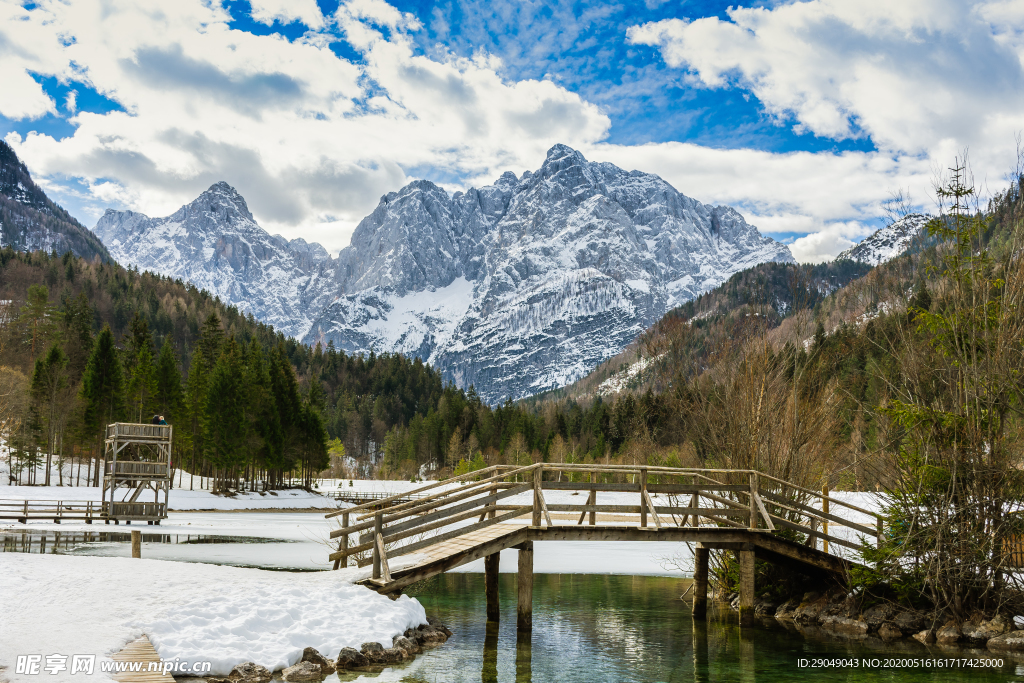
842,615
370,656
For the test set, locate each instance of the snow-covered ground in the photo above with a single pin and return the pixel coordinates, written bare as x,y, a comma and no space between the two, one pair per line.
97,599
194,612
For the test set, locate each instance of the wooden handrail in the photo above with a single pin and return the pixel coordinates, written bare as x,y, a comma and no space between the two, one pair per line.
418,518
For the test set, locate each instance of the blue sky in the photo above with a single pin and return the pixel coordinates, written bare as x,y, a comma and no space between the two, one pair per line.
804,115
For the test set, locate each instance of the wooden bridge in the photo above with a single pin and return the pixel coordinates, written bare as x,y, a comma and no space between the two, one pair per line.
751,513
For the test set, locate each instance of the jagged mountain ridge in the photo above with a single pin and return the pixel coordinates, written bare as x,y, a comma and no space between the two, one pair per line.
30,221
215,243
528,283
514,287
888,242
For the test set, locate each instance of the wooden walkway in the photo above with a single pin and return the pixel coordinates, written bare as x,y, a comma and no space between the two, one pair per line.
141,652
743,511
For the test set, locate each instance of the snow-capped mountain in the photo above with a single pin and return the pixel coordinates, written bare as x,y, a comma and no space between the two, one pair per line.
515,287
216,244
888,242
529,283
30,221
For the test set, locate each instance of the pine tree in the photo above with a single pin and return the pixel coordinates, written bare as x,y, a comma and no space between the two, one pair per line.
37,317
169,396
49,386
142,387
195,411
225,424
102,390
211,340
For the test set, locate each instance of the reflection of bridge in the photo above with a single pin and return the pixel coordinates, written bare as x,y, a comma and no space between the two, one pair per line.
753,514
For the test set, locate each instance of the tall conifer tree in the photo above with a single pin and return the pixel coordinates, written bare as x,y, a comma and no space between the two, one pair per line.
103,391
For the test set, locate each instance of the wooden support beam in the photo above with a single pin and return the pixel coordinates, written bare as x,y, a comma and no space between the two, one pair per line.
652,508
136,543
753,501
824,523
700,581
538,477
378,529
524,594
643,498
385,570
491,563
593,498
343,543
747,587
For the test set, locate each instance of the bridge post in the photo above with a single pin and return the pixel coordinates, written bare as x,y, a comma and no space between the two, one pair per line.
753,500
700,581
343,544
643,499
524,596
378,527
491,586
593,498
747,586
538,477
824,522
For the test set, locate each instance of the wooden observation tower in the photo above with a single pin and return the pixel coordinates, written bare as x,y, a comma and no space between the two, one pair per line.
139,464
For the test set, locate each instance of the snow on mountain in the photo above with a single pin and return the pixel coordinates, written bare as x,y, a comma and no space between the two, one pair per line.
529,283
516,287
31,221
216,244
889,242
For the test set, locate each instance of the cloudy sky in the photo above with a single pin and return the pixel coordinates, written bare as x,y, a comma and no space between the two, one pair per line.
804,115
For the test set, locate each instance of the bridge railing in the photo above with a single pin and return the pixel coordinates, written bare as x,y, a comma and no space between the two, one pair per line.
665,497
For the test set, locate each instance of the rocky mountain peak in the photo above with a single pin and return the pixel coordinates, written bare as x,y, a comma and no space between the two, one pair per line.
222,200
888,242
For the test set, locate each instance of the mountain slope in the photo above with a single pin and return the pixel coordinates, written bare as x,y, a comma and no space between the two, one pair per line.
216,244
527,284
30,221
515,287
888,242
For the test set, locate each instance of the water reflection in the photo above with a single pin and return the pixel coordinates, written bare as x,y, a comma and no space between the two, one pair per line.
524,646
619,629
489,670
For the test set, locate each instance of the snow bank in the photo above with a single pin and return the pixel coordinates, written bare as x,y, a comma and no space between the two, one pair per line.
194,612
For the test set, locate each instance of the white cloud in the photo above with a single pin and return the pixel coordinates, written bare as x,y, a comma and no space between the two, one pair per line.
310,139
313,140
923,79
287,11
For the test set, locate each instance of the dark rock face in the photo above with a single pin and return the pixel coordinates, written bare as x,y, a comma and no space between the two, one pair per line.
350,658
909,622
31,221
303,671
312,656
408,646
250,672
1013,641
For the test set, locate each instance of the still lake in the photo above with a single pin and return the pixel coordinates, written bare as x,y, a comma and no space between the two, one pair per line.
591,628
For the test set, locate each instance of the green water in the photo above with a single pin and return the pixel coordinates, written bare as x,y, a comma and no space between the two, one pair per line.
619,629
